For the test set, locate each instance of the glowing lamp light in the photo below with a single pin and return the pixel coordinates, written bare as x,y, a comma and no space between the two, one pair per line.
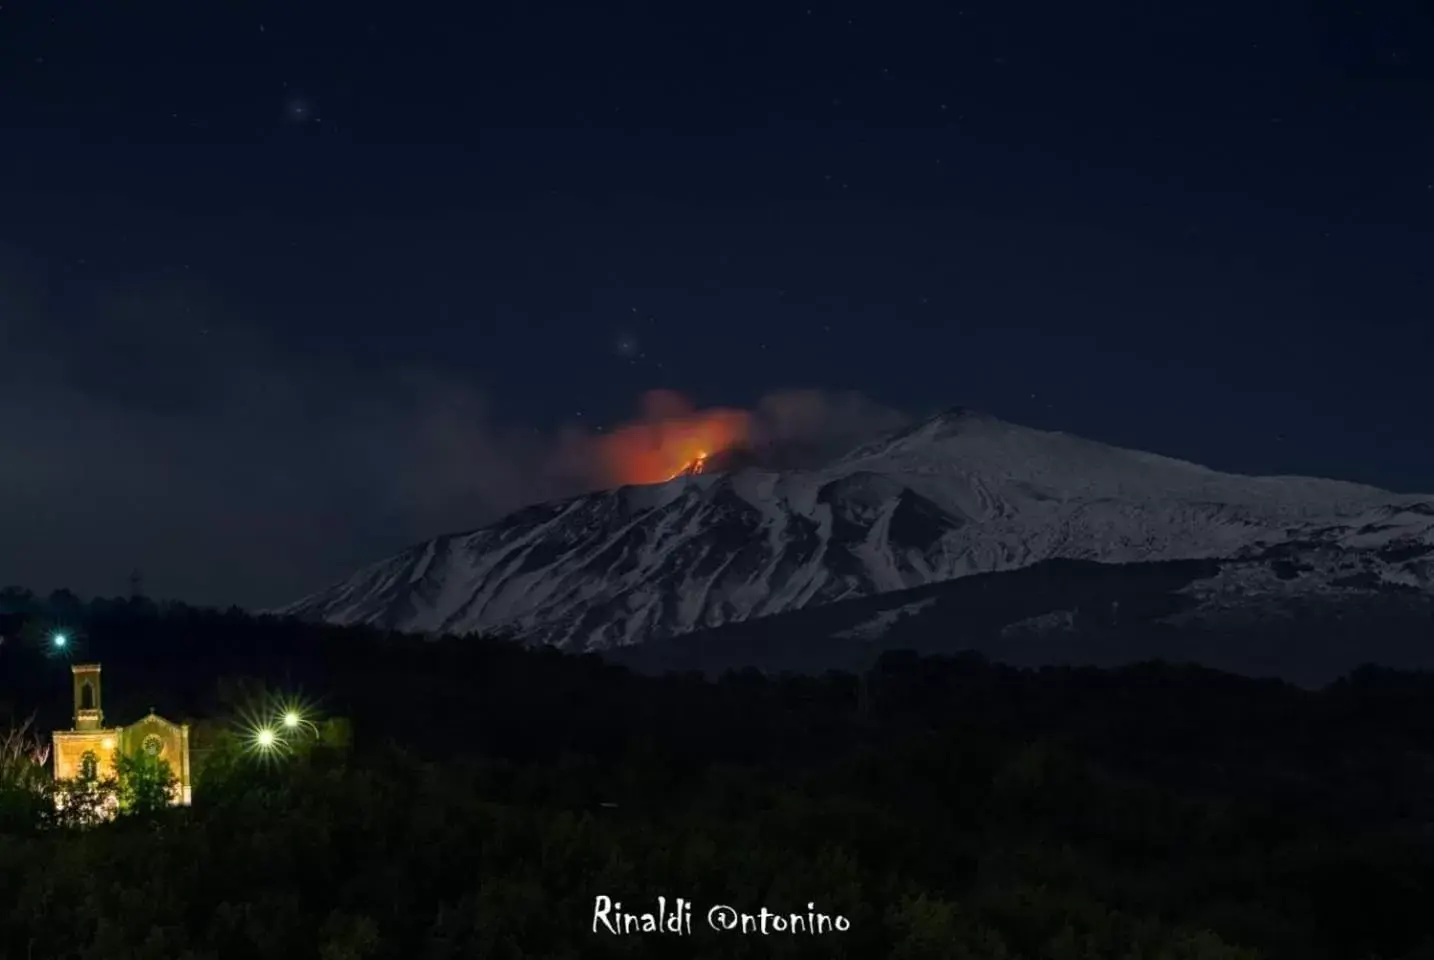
108,743
275,726
294,715
60,640
265,741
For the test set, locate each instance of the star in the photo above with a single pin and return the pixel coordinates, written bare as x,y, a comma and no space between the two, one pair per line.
298,110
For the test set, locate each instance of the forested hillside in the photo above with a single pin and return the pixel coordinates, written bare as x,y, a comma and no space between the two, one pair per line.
947,807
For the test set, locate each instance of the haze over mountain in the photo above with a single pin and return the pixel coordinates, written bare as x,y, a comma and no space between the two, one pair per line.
959,494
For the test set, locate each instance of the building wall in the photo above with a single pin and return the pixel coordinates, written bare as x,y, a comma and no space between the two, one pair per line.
71,745
89,713
153,734
172,740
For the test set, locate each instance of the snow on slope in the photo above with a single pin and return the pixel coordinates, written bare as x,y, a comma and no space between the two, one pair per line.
961,493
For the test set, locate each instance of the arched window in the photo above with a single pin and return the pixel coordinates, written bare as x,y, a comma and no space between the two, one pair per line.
89,766
87,696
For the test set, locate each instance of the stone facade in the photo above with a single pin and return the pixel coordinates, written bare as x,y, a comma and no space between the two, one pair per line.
152,734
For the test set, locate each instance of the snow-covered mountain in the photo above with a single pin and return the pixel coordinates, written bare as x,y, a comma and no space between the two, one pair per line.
961,493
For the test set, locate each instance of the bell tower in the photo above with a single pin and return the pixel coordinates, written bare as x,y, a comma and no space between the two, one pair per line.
88,715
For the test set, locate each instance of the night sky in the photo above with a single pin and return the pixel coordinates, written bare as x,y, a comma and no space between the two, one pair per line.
287,287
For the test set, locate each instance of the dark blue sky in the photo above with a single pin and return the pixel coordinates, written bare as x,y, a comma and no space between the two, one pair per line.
262,268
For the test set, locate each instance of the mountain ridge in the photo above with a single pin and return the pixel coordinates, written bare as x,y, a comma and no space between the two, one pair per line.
958,493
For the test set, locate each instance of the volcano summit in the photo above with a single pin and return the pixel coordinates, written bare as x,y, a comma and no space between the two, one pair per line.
959,494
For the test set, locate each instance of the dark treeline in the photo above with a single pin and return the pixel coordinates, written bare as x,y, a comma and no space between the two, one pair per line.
948,807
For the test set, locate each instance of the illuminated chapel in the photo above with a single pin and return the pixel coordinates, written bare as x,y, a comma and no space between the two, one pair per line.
152,734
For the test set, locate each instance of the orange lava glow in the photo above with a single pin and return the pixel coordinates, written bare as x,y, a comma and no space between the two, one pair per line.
671,438
696,465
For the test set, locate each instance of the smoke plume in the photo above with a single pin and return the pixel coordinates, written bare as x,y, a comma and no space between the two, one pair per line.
226,470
